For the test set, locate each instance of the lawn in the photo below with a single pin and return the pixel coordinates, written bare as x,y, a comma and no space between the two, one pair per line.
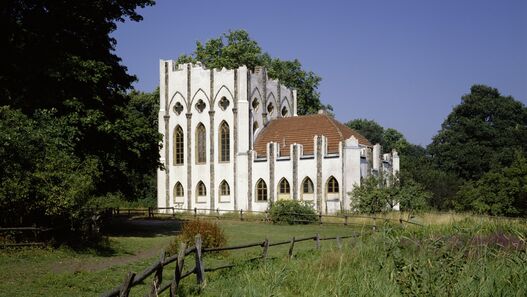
92,271
465,258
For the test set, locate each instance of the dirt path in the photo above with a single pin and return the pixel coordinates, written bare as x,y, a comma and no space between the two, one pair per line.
124,227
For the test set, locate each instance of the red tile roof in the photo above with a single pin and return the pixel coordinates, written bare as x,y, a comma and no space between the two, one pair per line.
302,130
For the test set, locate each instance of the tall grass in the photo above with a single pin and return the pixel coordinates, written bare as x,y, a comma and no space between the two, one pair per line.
466,258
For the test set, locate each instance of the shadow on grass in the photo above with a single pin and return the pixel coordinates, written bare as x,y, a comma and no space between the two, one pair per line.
140,227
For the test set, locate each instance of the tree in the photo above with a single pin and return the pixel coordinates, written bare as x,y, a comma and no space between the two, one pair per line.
500,191
481,133
41,178
236,48
383,193
70,131
369,129
389,138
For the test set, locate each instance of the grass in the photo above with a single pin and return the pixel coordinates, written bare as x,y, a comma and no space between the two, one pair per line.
462,259
470,257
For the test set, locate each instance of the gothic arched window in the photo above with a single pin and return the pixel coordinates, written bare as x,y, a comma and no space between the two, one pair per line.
178,190
224,142
307,186
261,190
178,146
225,190
201,190
201,144
332,185
284,187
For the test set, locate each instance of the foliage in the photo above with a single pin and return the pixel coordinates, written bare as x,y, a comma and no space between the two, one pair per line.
69,130
40,175
236,48
292,212
462,259
379,194
500,191
480,134
390,139
212,235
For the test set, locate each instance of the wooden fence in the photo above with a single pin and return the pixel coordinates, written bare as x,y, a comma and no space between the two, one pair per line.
199,269
23,236
247,215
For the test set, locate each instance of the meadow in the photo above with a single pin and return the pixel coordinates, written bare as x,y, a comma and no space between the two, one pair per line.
458,256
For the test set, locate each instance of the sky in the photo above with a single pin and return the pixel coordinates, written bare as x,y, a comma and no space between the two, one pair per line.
404,64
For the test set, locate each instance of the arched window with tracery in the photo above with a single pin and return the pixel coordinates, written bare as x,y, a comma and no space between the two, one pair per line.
201,144
261,190
201,193
178,146
332,185
224,142
225,190
178,192
284,187
307,186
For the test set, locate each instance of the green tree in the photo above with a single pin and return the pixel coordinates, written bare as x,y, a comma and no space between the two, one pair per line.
70,130
389,138
500,191
481,133
369,129
381,193
236,48
41,178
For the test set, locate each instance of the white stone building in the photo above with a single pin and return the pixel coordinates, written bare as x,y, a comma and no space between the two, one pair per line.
232,140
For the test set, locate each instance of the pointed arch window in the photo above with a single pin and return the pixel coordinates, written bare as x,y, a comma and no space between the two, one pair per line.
284,187
261,190
178,146
201,190
307,186
178,190
201,144
332,185
225,190
284,111
224,142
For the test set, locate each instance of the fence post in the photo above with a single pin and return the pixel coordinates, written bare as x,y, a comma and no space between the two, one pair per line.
265,248
339,244
320,218
291,247
179,269
200,270
195,212
173,211
127,285
241,214
158,277
345,220
317,241
218,213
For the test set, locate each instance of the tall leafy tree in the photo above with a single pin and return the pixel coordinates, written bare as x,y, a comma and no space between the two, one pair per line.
389,138
77,133
481,133
500,191
236,48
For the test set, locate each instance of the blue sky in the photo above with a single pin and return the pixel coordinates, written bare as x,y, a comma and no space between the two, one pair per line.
404,64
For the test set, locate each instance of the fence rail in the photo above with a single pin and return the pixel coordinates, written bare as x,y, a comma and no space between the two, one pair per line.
199,269
32,236
244,215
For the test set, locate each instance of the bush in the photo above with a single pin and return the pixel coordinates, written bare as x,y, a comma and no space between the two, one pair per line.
292,212
211,235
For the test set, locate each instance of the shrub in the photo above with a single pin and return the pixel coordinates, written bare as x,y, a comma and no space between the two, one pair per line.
211,235
292,212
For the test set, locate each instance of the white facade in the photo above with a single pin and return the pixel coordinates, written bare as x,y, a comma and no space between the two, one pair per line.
237,104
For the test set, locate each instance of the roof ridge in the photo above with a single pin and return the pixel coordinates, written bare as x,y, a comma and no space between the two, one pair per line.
335,125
